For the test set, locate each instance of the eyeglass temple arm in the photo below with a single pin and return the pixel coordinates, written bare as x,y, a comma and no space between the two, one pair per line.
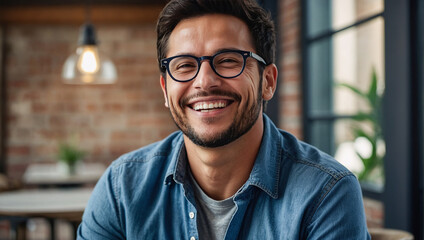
257,57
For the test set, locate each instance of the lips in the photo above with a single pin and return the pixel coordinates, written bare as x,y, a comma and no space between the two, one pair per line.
206,106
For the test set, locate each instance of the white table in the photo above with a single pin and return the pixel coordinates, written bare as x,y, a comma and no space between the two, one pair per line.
64,203
53,174
57,203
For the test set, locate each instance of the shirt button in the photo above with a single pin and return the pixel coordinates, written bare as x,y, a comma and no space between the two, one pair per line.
192,238
191,215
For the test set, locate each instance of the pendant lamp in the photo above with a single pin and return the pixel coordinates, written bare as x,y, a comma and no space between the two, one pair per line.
88,65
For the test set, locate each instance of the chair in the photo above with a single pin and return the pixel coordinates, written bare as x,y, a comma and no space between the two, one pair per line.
17,224
7,184
389,234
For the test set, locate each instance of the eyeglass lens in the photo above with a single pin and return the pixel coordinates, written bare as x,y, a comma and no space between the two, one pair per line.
227,64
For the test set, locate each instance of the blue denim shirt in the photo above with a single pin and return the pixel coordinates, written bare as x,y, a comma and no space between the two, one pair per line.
294,192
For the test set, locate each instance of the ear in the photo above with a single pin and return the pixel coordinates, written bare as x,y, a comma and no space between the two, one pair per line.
163,86
269,83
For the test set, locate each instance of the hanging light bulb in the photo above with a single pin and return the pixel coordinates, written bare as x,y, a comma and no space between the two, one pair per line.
88,61
88,65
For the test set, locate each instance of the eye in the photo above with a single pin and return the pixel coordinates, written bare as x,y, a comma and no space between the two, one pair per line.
185,65
227,60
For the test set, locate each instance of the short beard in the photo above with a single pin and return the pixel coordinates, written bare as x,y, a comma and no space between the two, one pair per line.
242,124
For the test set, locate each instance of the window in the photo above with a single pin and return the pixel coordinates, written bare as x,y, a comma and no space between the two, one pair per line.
340,44
343,70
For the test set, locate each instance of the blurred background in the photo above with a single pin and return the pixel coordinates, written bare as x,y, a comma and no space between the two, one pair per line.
350,82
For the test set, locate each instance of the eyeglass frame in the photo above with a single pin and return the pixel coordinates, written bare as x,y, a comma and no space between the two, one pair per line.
245,54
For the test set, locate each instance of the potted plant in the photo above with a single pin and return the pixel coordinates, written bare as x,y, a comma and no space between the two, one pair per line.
69,154
367,125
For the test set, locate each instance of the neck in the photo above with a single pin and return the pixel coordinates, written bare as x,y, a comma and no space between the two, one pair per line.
222,171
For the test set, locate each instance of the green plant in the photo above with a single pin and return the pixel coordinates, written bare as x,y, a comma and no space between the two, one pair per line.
374,134
70,154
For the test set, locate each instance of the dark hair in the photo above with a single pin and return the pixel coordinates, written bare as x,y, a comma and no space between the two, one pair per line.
256,18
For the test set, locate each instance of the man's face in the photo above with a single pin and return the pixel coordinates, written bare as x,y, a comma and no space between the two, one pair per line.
210,110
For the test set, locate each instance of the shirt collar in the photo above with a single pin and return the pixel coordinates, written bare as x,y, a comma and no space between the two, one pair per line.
178,167
266,170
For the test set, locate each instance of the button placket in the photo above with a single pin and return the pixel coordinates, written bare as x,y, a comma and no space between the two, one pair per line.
191,215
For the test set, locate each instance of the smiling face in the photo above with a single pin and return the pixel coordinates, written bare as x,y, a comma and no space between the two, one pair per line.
212,111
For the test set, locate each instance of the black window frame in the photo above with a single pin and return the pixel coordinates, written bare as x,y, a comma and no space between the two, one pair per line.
403,104
373,192
403,115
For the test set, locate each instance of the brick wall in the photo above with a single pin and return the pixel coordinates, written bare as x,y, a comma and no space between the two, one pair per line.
290,67
109,120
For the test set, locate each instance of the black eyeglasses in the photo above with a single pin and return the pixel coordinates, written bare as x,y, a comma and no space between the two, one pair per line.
226,64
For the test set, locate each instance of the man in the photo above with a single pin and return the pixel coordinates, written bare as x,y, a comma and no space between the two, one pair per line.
229,173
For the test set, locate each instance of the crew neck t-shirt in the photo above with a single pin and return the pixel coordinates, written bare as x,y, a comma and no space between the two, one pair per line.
213,216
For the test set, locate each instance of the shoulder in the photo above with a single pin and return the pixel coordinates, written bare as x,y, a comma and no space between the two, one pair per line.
146,167
163,148
293,154
307,157
153,161
317,183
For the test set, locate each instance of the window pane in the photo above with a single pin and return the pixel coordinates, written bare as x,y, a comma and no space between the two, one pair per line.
345,84
347,12
361,149
322,136
327,15
357,52
318,16
320,77
348,58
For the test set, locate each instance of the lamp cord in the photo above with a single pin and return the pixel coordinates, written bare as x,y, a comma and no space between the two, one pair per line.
88,11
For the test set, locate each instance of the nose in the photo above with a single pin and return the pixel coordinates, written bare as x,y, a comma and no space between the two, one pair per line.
206,78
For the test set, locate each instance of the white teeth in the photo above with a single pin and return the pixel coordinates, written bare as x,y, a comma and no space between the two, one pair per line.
205,107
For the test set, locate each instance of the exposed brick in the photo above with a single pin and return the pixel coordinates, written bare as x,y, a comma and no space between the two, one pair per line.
18,150
39,107
374,211
51,134
113,107
43,111
126,135
138,107
15,169
92,107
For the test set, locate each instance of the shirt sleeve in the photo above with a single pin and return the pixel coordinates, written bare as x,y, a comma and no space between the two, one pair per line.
101,219
339,213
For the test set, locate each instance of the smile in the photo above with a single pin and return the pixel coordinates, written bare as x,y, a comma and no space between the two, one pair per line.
206,106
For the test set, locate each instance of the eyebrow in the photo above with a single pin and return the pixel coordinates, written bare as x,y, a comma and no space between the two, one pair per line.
217,51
